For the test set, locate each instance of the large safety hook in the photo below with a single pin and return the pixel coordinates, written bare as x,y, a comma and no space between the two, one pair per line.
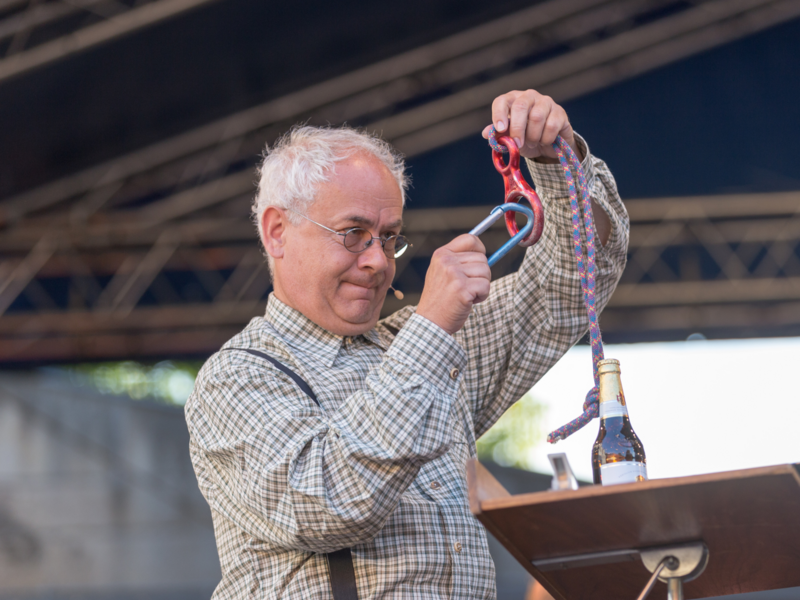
516,189
499,211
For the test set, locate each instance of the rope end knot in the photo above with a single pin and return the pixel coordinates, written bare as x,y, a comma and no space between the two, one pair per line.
591,409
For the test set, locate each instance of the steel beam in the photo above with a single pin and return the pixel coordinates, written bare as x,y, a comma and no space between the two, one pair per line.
732,230
94,35
285,107
778,318
25,271
554,21
587,69
41,14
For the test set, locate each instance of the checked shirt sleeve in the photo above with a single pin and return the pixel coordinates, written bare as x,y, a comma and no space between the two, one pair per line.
297,477
534,316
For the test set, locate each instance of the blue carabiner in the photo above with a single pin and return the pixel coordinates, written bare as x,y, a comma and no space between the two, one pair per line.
497,212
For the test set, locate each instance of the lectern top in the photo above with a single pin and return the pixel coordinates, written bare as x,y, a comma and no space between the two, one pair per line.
749,519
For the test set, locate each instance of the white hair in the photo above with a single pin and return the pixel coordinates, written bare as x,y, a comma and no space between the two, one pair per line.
305,157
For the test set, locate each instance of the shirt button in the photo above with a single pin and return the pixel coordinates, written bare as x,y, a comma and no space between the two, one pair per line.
457,546
435,485
454,373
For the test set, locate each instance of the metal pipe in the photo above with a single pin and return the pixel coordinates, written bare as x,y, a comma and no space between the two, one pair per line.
674,588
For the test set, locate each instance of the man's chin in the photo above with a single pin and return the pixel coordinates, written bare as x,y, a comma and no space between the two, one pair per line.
358,321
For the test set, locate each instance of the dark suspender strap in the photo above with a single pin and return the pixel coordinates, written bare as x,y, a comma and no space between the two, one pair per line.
392,329
340,563
343,575
279,365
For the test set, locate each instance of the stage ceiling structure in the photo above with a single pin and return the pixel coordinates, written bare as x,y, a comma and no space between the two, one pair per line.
136,241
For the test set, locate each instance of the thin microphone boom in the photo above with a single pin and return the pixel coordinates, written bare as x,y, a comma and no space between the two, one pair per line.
397,293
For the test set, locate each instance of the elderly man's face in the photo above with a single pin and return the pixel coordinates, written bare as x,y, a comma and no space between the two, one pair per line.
337,289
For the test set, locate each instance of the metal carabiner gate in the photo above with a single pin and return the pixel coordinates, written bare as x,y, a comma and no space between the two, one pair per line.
499,211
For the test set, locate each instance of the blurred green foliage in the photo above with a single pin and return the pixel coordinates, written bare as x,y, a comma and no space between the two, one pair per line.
168,381
511,440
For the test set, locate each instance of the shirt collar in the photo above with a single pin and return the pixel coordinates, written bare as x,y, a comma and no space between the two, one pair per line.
373,336
300,332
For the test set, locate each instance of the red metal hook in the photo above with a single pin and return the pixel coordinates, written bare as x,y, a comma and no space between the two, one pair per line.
516,189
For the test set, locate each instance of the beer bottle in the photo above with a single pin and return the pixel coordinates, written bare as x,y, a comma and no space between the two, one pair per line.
617,455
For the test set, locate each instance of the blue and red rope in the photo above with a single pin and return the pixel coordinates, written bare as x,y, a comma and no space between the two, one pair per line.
581,211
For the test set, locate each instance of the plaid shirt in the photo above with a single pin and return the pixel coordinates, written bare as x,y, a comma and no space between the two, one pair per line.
380,467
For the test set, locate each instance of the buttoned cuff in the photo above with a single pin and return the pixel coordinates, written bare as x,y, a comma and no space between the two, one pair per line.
549,180
429,351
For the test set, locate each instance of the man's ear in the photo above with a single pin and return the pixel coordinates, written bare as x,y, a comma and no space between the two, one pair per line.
273,231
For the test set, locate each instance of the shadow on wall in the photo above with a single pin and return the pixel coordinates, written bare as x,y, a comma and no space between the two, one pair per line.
98,498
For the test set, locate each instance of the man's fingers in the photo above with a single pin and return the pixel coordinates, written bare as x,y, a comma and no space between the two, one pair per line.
477,289
466,243
556,123
519,117
459,276
477,270
537,120
501,107
532,120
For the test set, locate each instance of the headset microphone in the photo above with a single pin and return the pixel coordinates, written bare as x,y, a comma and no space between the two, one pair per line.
397,293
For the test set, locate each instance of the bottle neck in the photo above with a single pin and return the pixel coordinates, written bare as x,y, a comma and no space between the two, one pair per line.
612,398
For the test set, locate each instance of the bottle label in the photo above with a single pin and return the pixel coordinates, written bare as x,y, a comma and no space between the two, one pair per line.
612,409
622,472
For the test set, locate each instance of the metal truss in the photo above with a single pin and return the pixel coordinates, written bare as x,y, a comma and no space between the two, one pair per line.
562,47
34,33
721,265
695,263
153,252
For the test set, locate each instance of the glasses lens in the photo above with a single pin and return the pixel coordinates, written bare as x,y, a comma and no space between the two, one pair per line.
396,245
357,240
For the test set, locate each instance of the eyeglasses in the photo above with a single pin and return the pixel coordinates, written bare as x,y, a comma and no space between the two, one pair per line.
359,239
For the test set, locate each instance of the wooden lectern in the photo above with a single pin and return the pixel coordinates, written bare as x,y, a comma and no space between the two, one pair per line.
587,544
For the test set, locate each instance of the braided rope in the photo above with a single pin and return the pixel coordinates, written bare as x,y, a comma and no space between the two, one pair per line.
586,268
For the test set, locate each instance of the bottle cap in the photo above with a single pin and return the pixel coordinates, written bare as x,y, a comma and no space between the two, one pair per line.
608,365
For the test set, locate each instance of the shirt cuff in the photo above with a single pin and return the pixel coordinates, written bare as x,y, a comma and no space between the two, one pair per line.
427,348
549,179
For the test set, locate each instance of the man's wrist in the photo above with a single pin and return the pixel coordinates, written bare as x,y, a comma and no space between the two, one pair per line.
432,318
427,348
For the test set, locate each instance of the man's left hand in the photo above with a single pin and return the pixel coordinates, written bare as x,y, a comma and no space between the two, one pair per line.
533,121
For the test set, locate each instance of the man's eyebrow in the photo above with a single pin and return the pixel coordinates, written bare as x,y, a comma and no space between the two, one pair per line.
360,220
395,224
367,222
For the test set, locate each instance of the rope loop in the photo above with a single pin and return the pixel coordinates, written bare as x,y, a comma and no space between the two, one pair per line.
585,257
496,146
591,409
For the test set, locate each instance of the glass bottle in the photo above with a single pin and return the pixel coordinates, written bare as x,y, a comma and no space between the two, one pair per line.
618,455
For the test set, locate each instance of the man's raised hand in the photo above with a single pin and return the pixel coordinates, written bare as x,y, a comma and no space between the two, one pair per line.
533,121
458,277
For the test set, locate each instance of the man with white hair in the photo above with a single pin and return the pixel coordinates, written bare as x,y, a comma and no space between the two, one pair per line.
330,445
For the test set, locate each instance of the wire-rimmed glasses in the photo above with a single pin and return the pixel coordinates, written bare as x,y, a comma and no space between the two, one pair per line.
358,239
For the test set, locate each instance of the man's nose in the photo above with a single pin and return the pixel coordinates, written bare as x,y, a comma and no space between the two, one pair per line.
374,257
